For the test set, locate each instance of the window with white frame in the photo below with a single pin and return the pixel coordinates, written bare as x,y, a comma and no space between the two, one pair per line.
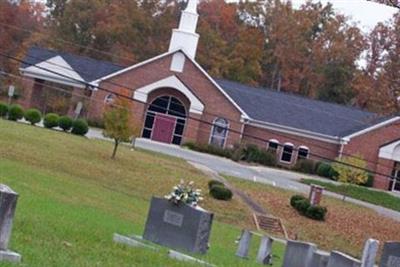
273,145
219,131
109,99
302,152
287,153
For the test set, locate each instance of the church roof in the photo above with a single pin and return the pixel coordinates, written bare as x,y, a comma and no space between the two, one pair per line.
89,69
298,112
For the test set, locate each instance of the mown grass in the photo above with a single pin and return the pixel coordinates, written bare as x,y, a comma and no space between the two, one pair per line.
379,198
73,197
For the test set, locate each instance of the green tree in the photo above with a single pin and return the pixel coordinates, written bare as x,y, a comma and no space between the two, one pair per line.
118,124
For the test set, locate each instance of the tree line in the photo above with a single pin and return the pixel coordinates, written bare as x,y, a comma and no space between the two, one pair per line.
313,50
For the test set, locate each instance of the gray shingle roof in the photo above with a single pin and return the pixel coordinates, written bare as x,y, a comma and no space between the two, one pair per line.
89,69
299,112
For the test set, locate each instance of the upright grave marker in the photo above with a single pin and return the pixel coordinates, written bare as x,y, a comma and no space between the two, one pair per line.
298,254
178,226
8,204
264,255
339,259
369,254
244,244
390,255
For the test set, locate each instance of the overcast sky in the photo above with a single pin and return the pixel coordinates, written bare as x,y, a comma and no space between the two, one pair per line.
366,13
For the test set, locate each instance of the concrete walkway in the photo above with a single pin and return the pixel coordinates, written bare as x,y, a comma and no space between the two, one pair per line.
271,176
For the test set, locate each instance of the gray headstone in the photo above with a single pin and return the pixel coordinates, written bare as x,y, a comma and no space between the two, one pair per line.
320,259
339,259
8,203
390,255
299,254
178,226
244,244
369,254
264,255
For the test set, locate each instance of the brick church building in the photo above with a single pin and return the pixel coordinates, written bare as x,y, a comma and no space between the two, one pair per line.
176,101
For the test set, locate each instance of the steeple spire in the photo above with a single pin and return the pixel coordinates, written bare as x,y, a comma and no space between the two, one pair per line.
185,37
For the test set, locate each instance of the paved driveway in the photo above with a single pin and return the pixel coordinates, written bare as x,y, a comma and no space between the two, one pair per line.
271,176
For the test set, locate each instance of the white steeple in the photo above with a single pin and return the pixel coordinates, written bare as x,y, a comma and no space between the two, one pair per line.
185,37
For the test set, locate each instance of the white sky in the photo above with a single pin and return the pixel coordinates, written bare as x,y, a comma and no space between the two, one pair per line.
366,13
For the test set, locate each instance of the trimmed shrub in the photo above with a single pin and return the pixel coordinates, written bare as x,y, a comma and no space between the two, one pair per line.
326,170
50,120
65,123
221,192
316,213
303,206
210,149
257,155
80,127
15,112
3,109
212,183
33,116
370,181
296,198
305,166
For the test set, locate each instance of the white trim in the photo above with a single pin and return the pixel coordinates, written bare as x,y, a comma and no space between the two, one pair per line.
273,140
291,154
212,131
109,76
294,131
390,151
303,148
244,114
374,127
54,69
141,94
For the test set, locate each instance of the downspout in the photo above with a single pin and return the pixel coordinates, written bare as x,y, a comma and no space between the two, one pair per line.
343,142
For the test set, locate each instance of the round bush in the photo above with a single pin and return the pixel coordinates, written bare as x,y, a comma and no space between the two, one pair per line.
33,116
65,123
220,192
325,170
316,212
212,183
15,112
80,127
3,109
296,198
50,120
302,205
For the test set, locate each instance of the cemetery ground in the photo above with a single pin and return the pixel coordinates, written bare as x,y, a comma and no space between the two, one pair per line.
73,197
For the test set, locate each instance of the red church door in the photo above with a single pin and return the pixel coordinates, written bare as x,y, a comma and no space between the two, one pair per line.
163,129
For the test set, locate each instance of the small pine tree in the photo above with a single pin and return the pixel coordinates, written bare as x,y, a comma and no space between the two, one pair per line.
118,124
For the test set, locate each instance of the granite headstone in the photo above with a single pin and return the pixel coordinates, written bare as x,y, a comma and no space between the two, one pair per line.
298,254
339,259
178,226
390,255
8,203
264,255
320,259
244,244
369,254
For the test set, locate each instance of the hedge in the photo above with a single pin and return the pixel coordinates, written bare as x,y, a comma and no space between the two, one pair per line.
305,166
324,169
211,183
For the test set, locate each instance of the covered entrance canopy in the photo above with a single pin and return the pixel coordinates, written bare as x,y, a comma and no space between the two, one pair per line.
392,152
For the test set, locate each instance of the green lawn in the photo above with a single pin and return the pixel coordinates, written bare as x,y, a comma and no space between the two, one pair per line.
361,193
73,197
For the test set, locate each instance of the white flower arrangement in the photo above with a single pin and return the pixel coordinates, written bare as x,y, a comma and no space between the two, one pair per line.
185,193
